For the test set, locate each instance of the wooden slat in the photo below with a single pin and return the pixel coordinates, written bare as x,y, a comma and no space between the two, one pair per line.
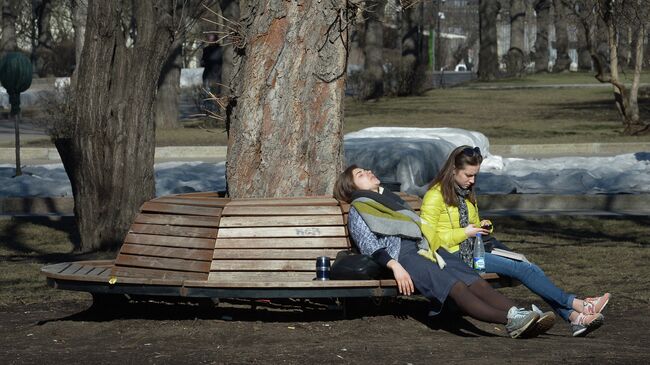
282,221
179,231
167,277
274,254
277,276
162,263
277,210
169,252
179,209
200,202
282,232
200,194
303,242
72,269
177,220
263,265
188,242
295,201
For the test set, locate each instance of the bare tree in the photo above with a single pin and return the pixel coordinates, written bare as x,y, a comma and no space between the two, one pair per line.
562,61
8,41
614,17
285,136
108,154
79,12
542,54
373,47
488,66
42,38
166,107
516,58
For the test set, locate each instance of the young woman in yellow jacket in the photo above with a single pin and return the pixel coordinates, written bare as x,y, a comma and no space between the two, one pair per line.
451,210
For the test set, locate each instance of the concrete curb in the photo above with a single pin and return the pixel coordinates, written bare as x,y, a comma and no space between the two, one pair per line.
50,154
511,204
45,154
523,150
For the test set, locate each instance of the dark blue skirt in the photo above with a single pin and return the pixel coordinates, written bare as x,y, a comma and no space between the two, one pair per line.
431,281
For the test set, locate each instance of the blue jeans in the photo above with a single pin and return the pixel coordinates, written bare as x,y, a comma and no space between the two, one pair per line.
534,279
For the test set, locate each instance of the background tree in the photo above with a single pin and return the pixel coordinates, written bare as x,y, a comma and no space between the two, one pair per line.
616,16
516,58
166,107
79,10
562,61
285,136
8,41
42,42
488,66
373,50
109,152
412,62
542,53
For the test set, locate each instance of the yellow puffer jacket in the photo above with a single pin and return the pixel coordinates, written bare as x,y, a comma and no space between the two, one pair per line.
444,221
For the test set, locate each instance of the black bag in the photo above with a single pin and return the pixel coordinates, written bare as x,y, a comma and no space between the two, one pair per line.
353,266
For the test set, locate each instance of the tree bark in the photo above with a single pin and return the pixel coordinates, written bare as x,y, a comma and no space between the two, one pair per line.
79,13
373,50
42,51
488,66
411,70
109,157
562,61
542,54
166,108
8,40
286,112
516,58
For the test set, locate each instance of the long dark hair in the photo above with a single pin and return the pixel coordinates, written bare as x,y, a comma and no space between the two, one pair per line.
344,185
458,158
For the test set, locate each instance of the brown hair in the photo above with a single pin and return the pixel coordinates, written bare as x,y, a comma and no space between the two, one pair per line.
460,157
344,185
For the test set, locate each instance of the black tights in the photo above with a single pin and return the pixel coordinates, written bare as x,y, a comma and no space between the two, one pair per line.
481,301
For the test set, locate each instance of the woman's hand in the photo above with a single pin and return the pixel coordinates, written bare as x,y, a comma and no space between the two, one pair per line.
471,230
404,282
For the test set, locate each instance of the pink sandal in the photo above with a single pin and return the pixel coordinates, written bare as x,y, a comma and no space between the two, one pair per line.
595,305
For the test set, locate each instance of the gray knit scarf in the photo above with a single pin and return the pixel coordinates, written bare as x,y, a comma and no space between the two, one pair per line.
467,246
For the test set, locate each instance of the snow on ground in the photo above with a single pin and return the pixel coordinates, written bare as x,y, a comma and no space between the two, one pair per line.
410,156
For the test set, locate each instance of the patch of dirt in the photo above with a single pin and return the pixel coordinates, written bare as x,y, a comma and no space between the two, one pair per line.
296,332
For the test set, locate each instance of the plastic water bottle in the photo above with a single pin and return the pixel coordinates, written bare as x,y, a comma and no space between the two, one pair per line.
479,254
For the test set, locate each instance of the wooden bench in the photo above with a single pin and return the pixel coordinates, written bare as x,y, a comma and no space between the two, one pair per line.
201,245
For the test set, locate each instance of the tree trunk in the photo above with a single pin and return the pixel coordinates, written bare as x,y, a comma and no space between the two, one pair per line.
166,108
584,45
109,158
9,9
488,66
41,55
626,101
373,50
542,54
286,115
79,13
516,58
411,70
562,61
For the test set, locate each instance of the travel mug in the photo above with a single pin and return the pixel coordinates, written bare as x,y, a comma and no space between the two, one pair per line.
322,268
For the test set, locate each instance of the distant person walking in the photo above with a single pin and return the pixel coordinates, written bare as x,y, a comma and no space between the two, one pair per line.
450,208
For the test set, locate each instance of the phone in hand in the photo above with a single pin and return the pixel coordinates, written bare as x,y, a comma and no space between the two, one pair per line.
487,227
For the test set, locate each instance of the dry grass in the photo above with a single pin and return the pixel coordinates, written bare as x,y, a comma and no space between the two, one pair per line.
510,116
